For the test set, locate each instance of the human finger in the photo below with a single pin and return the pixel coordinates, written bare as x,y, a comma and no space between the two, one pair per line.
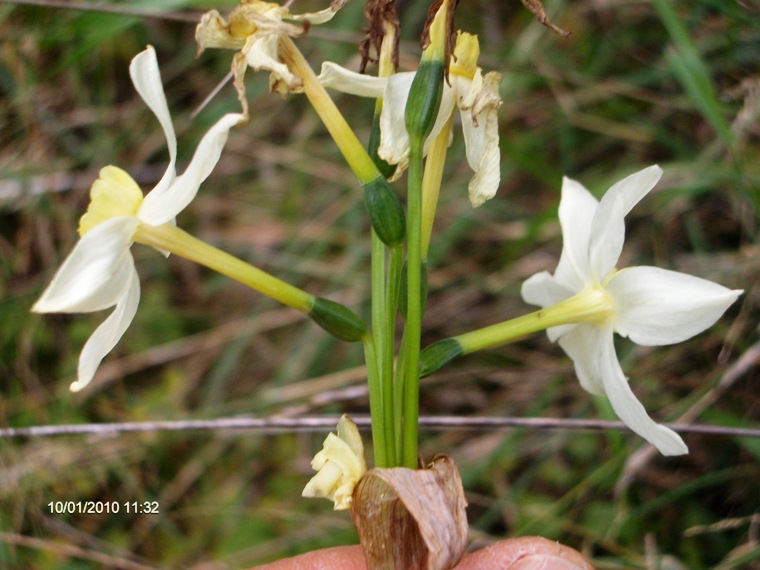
525,553
336,558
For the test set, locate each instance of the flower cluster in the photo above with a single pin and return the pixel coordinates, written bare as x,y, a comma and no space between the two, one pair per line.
584,302
474,94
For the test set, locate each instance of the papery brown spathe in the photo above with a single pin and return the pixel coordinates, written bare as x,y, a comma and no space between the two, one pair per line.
411,518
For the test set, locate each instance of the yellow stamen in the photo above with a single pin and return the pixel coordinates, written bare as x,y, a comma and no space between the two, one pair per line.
113,194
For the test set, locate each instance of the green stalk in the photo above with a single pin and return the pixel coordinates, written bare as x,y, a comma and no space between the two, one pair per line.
420,115
374,381
333,317
383,206
591,305
431,182
382,327
398,394
395,265
177,241
384,281
413,331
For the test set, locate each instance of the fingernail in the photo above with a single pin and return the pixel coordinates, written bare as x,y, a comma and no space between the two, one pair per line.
544,562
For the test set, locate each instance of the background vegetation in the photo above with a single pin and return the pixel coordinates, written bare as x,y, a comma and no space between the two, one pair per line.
639,82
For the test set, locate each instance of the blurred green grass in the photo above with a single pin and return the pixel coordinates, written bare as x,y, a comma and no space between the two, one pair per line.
677,83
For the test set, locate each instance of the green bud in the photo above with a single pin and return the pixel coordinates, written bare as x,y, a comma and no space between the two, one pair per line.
338,320
402,300
438,355
424,100
385,212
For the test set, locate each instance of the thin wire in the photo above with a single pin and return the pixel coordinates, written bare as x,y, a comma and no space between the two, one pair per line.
191,17
123,10
320,423
211,95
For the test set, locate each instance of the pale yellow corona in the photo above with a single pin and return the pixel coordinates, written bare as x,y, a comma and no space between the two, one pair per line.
466,54
113,194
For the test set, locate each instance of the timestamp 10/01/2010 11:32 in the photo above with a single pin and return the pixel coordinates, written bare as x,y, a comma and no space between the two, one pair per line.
103,507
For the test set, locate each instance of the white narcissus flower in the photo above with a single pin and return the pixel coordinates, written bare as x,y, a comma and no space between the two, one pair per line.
474,94
99,273
649,305
339,465
254,28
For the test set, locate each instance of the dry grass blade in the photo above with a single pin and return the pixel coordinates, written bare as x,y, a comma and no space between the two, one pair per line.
73,551
537,8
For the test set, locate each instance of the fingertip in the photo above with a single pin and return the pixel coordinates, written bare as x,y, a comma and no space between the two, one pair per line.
525,553
545,562
336,558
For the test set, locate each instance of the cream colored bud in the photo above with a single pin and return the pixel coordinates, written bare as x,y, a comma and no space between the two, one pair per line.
339,465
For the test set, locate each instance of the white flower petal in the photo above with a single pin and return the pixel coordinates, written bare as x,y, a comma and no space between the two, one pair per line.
160,208
576,212
448,102
474,129
333,76
607,238
582,344
105,337
608,225
262,52
634,187
481,137
146,78
543,290
656,306
321,16
394,140
629,409
94,275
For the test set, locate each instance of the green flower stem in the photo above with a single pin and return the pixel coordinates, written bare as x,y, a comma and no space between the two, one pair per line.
353,151
385,290
173,239
399,390
331,316
431,182
592,305
374,381
393,286
383,206
413,330
419,118
383,326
